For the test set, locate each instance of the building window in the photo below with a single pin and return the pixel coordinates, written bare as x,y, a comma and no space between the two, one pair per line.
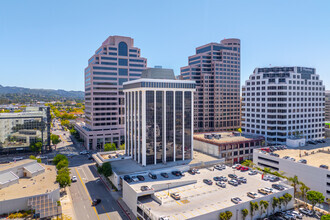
159,127
122,49
178,125
169,127
187,125
150,124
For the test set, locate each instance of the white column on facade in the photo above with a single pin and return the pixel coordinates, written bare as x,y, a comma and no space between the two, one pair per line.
128,145
143,108
174,146
131,124
155,151
134,128
164,126
125,121
183,125
138,127
192,125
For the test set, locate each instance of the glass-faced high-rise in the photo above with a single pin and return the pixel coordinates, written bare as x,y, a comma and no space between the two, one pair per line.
159,117
114,63
216,69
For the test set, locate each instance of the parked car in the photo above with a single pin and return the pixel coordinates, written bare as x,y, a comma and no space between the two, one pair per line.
145,188
165,175
238,167
152,176
207,181
253,195
128,179
192,172
324,166
140,177
176,173
296,214
74,179
302,161
306,211
234,166
311,142
274,154
244,169
223,178
89,157
286,157
274,179
135,179
278,187
263,191
42,157
233,176
221,184
175,196
236,200
266,177
218,167
252,172
242,179
233,182
181,173
96,201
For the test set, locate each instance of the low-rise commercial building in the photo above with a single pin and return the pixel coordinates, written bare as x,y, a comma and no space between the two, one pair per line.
28,185
232,146
310,174
154,199
19,130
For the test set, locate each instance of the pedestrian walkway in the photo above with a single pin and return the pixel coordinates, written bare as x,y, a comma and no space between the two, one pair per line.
67,207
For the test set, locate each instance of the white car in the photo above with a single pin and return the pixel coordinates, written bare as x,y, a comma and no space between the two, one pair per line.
221,184
84,152
269,189
252,172
42,157
296,214
236,165
135,179
74,179
17,158
253,195
306,211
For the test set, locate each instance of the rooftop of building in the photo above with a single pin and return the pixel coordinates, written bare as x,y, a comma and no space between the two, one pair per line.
315,155
197,198
128,166
40,184
11,165
226,137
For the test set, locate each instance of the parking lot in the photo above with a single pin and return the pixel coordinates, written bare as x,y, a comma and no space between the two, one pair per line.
199,198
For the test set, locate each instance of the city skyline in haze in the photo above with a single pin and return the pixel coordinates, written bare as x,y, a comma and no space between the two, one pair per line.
47,44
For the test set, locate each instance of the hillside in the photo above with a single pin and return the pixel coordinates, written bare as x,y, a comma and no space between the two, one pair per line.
12,94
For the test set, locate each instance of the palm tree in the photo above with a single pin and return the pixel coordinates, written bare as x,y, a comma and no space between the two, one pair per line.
295,182
253,207
304,189
281,202
245,212
287,199
265,205
261,202
275,203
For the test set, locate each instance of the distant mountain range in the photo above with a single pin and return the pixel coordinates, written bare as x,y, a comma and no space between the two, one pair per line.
13,94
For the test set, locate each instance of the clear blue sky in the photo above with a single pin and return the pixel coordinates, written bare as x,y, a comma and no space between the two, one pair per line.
46,44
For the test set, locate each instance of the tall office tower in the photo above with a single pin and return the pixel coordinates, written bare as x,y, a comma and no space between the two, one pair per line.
327,105
279,102
159,117
216,69
114,62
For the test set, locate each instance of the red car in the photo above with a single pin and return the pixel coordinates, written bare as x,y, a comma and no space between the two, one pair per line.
244,168
238,167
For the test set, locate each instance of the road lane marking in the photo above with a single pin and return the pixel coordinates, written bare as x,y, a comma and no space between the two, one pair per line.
106,212
89,197
177,202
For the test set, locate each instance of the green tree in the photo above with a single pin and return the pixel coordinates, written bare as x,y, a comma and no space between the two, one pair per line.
63,177
229,215
110,147
62,164
248,163
34,158
325,217
223,216
275,203
58,158
65,123
263,206
253,207
294,182
281,202
36,147
105,169
122,147
303,191
287,199
245,212
315,197
55,139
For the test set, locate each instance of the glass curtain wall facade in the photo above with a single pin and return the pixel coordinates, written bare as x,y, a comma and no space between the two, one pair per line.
216,69
164,119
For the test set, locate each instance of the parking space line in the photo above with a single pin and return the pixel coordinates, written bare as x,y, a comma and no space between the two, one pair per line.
177,202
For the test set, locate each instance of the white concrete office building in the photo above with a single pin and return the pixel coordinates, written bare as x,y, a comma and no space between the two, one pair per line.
159,117
279,102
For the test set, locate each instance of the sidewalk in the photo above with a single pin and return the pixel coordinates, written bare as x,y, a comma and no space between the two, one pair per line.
67,207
